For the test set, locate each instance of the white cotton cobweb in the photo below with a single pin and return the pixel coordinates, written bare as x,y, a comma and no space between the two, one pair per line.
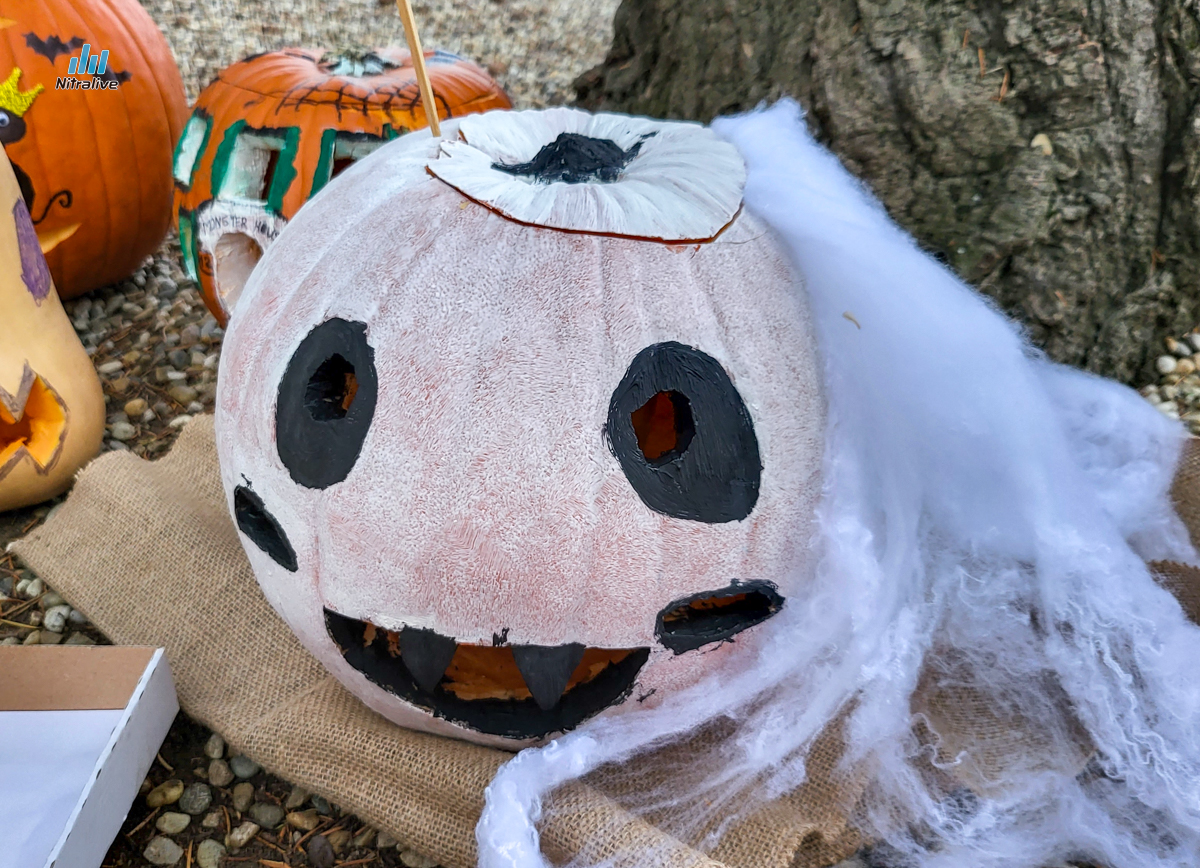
981,539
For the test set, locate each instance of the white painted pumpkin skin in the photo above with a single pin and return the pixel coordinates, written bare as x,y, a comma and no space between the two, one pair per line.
486,502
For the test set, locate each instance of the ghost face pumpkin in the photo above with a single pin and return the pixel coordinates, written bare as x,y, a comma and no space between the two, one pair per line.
523,427
51,403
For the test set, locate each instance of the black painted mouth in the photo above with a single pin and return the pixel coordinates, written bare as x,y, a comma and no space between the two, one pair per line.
538,690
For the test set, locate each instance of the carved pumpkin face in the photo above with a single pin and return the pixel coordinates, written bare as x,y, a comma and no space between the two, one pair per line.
502,474
51,403
273,129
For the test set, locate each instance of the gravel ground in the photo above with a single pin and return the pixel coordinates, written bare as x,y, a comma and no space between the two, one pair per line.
534,48
156,349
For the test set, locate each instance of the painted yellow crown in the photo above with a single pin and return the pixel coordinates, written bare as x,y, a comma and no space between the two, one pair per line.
13,99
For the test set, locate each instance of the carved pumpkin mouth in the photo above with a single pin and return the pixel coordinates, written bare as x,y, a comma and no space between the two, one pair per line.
37,429
516,691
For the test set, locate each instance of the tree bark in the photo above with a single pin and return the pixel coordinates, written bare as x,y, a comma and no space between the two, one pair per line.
1047,150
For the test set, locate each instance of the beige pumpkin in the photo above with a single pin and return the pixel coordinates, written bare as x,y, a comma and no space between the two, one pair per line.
51,404
524,427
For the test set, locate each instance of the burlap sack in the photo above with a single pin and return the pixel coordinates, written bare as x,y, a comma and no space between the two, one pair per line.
148,551
1181,580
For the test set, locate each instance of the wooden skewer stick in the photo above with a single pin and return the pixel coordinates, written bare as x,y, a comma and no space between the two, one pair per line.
418,59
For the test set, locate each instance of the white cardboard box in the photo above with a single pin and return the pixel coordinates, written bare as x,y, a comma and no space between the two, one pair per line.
79,728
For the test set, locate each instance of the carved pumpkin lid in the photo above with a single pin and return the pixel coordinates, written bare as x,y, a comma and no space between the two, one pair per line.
605,174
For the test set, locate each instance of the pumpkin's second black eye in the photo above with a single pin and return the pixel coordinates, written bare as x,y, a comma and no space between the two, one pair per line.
684,437
326,403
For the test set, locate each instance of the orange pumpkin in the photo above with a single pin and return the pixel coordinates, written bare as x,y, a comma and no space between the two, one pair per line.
91,151
273,129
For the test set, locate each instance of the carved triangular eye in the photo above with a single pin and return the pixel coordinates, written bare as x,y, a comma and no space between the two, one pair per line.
684,437
326,403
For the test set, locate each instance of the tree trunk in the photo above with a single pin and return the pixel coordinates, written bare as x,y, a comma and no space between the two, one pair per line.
1047,150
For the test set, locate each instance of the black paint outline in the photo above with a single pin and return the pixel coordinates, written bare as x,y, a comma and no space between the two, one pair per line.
510,718
319,452
718,625
717,478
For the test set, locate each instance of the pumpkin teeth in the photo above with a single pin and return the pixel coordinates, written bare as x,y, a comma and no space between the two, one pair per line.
38,429
606,174
517,691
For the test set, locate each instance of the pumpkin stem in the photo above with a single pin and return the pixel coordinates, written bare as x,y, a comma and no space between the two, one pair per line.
355,62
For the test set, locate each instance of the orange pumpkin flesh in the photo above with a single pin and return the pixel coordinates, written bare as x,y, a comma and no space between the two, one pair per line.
271,130
94,165
40,429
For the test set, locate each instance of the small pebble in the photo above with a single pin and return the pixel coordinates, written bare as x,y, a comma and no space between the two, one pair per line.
77,618
266,815
34,638
162,851
195,799
136,407
321,805
297,797
338,839
123,431
241,836
1165,364
1185,366
51,599
214,748
304,820
211,820
179,421
11,640
109,367
45,637
243,795
79,639
385,840
219,773
413,859
56,618
172,823
166,793
35,618
244,767
35,588
365,838
182,394
320,852
209,854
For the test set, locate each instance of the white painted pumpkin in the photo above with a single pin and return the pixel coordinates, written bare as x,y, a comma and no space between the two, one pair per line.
520,428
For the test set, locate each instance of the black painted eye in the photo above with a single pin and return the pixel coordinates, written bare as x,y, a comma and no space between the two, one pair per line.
326,403
715,616
261,527
684,437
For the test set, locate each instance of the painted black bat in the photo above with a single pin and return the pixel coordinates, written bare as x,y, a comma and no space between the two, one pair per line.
52,46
